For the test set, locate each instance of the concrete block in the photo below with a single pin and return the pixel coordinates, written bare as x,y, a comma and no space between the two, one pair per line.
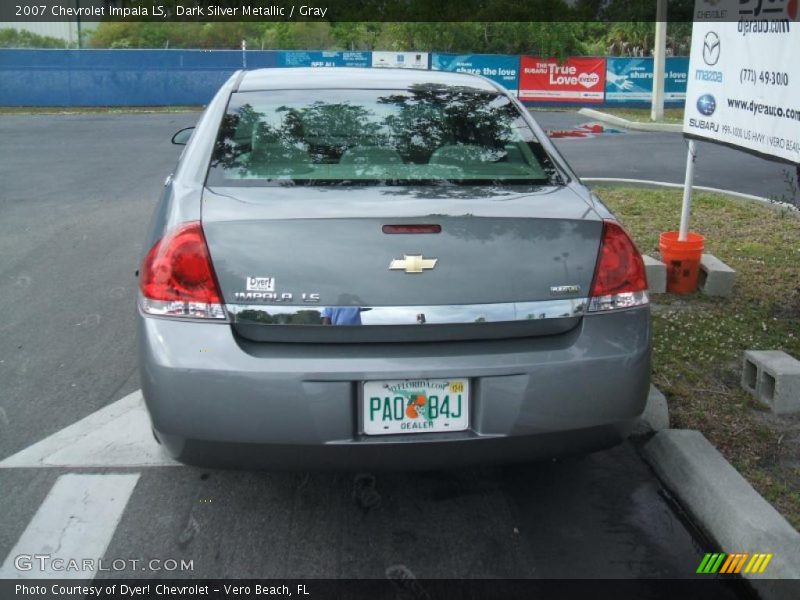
656,275
725,506
773,377
716,278
655,416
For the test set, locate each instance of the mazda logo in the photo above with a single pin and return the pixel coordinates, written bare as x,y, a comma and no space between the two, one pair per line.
706,105
711,48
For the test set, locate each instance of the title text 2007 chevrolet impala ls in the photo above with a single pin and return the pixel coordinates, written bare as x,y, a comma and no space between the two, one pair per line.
384,268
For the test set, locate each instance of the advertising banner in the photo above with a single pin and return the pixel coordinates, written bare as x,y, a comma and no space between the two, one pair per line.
580,80
401,60
744,76
503,69
323,59
677,77
630,80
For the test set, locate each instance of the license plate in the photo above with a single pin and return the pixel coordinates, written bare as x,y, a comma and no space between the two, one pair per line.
416,406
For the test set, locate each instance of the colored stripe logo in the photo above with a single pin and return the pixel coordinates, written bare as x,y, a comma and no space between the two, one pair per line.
738,562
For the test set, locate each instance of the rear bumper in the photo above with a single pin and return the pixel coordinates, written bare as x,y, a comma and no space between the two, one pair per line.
414,454
217,399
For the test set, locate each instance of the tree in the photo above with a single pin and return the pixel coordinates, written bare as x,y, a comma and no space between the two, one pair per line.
356,36
304,35
630,39
544,38
19,38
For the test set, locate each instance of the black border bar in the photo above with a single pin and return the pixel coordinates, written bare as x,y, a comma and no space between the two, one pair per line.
342,10
708,587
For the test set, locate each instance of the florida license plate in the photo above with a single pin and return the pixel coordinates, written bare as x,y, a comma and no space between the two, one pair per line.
416,406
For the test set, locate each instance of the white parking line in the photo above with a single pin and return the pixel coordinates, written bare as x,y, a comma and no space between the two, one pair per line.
76,521
118,435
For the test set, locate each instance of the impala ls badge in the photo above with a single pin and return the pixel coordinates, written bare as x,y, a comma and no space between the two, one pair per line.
562,290
413,263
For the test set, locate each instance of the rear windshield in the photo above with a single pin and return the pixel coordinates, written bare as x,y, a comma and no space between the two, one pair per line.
425,135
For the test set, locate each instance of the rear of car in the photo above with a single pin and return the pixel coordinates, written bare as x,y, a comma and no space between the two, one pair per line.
368,270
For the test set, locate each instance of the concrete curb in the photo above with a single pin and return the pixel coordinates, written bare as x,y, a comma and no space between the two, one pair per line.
655,416
633,125
725,506
646,183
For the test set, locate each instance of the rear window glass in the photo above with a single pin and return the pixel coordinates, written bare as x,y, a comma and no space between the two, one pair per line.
425,135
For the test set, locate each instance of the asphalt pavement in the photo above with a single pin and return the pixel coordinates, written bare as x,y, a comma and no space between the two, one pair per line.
657,156
76,194
604,512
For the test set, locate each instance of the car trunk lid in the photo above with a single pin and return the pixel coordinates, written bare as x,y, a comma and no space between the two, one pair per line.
501,255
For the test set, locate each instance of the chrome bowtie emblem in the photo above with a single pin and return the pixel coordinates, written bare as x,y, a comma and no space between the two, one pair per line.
413,263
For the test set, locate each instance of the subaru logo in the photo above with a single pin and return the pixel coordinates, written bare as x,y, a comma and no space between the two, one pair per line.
706,105
711,49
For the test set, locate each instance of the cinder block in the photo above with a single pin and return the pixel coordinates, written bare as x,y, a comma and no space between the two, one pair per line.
656,275
716,278
773,377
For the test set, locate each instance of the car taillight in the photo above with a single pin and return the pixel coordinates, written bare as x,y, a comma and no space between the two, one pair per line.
620,280
177,278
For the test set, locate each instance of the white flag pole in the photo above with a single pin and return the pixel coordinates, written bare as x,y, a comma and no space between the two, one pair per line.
659,62
687,192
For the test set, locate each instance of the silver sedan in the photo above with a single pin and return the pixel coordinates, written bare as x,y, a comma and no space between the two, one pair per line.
379,268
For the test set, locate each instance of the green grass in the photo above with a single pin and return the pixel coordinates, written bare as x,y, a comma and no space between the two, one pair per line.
642,115
698,341
71,110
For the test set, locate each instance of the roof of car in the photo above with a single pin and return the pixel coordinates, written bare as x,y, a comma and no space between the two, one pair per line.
355,78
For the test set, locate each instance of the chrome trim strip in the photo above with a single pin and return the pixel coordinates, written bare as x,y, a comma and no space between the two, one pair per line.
409,315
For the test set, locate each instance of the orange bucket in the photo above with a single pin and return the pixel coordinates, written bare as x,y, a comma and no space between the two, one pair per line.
682,260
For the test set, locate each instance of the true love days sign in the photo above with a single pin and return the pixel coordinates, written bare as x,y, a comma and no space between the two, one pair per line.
575,80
